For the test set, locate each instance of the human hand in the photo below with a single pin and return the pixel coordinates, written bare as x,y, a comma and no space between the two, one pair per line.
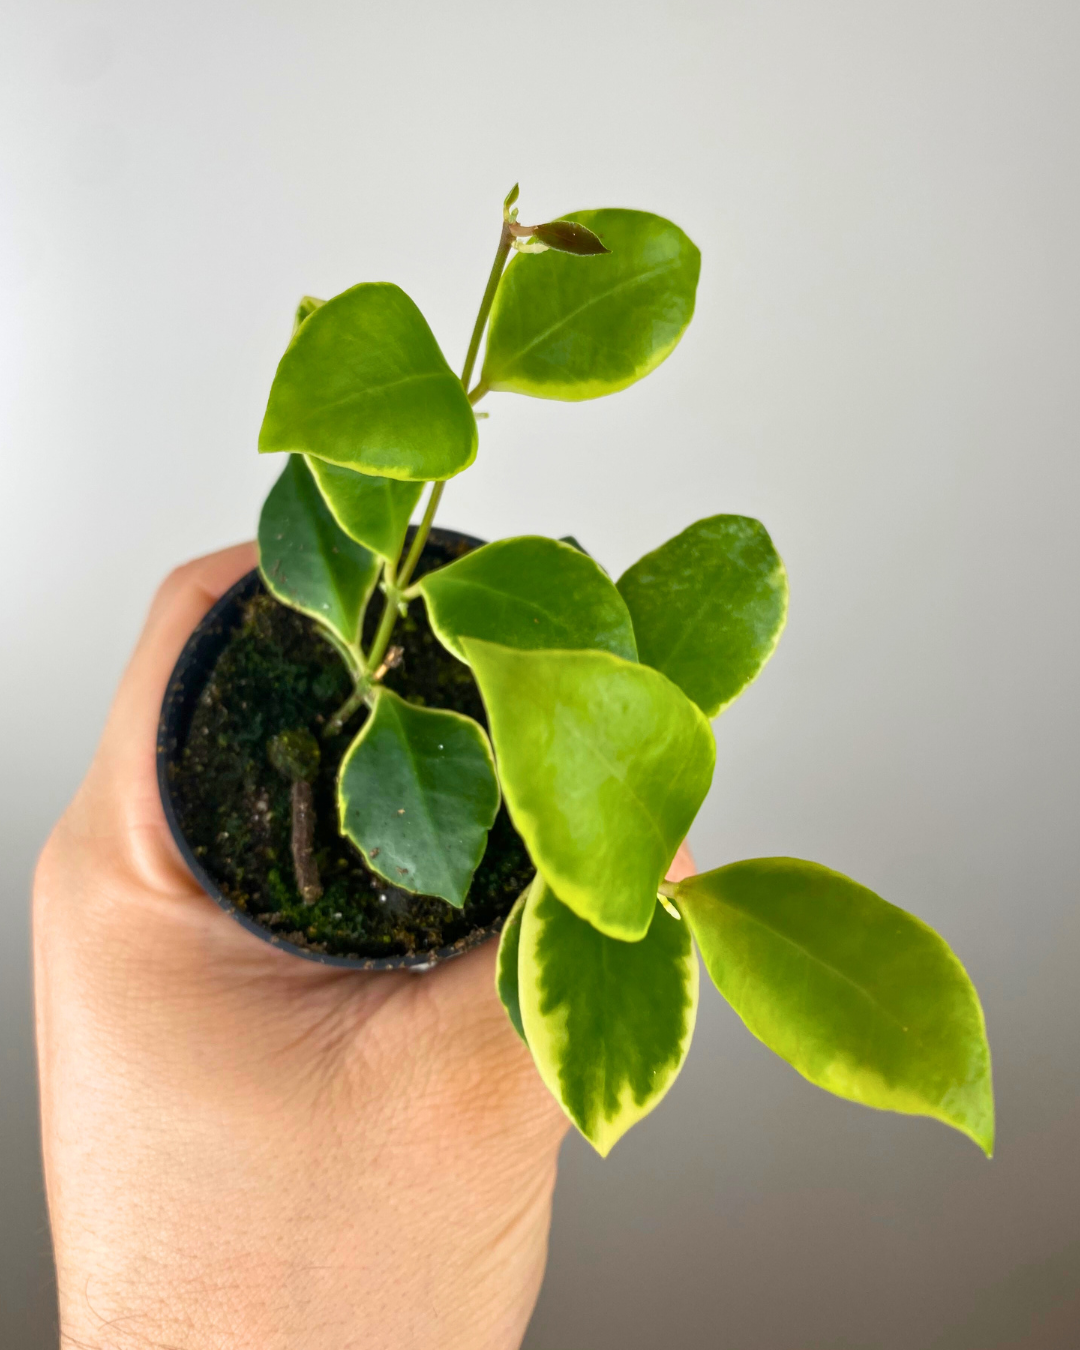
243,1149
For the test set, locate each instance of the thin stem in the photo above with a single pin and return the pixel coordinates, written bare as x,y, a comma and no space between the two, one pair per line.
352,704
421,535
395,587
501,255
303,842
395,583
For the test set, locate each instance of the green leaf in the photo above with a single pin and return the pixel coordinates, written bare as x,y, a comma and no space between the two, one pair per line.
862,998
603,764
417,795
373,511
608,1023
563,327
709,607
528,593
309,563
506,966
363,383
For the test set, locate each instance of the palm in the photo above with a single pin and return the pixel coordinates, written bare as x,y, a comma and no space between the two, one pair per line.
266,1104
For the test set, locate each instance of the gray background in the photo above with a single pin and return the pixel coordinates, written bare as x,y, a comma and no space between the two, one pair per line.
883,368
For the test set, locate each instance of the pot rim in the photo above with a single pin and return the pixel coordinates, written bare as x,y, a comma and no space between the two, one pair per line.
184,686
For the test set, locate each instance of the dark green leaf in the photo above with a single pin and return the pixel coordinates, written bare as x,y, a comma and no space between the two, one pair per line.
528,593
506,967
363,383
374,511
309,562
417,796
567,236
862,998
561,328
608,1023
709,607
603,764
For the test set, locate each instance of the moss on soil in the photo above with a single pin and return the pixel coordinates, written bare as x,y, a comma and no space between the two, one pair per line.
277,674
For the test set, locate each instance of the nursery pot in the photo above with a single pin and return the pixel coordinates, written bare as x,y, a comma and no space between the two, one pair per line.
194,694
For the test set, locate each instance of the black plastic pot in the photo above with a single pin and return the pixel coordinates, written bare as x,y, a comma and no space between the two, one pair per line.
186,683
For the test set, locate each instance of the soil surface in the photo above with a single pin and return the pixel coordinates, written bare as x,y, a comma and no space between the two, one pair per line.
278,673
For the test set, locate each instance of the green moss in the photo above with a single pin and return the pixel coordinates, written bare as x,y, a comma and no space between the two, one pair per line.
277,676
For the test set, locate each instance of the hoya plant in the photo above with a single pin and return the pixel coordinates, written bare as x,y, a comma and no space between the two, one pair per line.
598,697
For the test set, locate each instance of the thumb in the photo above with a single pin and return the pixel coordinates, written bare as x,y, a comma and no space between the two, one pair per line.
120,795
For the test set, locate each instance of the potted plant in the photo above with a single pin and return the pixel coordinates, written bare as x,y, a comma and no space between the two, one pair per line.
393,741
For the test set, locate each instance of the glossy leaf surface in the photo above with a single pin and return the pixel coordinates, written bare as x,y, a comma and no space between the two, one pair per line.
576,328
603,764
363,383
417,795
709,607
307,561
506,965
373,511
608,1023
528,593
861,997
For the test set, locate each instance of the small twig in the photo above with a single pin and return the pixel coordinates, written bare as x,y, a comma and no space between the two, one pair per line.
392,659
303,840
295,755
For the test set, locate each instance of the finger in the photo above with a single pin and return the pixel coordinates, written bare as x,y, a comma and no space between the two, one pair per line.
682,865
120,795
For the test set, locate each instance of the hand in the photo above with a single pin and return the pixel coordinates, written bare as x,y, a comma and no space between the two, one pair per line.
244,1149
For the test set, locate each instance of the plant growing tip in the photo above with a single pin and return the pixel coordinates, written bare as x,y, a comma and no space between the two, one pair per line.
596,694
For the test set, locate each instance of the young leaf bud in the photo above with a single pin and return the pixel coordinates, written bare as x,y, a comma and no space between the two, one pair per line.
305,309
567,236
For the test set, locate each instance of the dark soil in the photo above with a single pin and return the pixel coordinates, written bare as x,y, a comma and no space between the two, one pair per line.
278,673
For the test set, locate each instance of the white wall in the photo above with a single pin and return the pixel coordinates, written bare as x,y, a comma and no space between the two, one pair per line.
883,368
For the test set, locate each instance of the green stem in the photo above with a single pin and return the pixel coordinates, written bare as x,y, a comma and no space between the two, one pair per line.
421,536
501,255
395,588
394,585
351,705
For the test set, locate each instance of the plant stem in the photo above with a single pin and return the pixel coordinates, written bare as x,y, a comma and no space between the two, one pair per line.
303,841
395,581
354,702
395,588
421,535
501,255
